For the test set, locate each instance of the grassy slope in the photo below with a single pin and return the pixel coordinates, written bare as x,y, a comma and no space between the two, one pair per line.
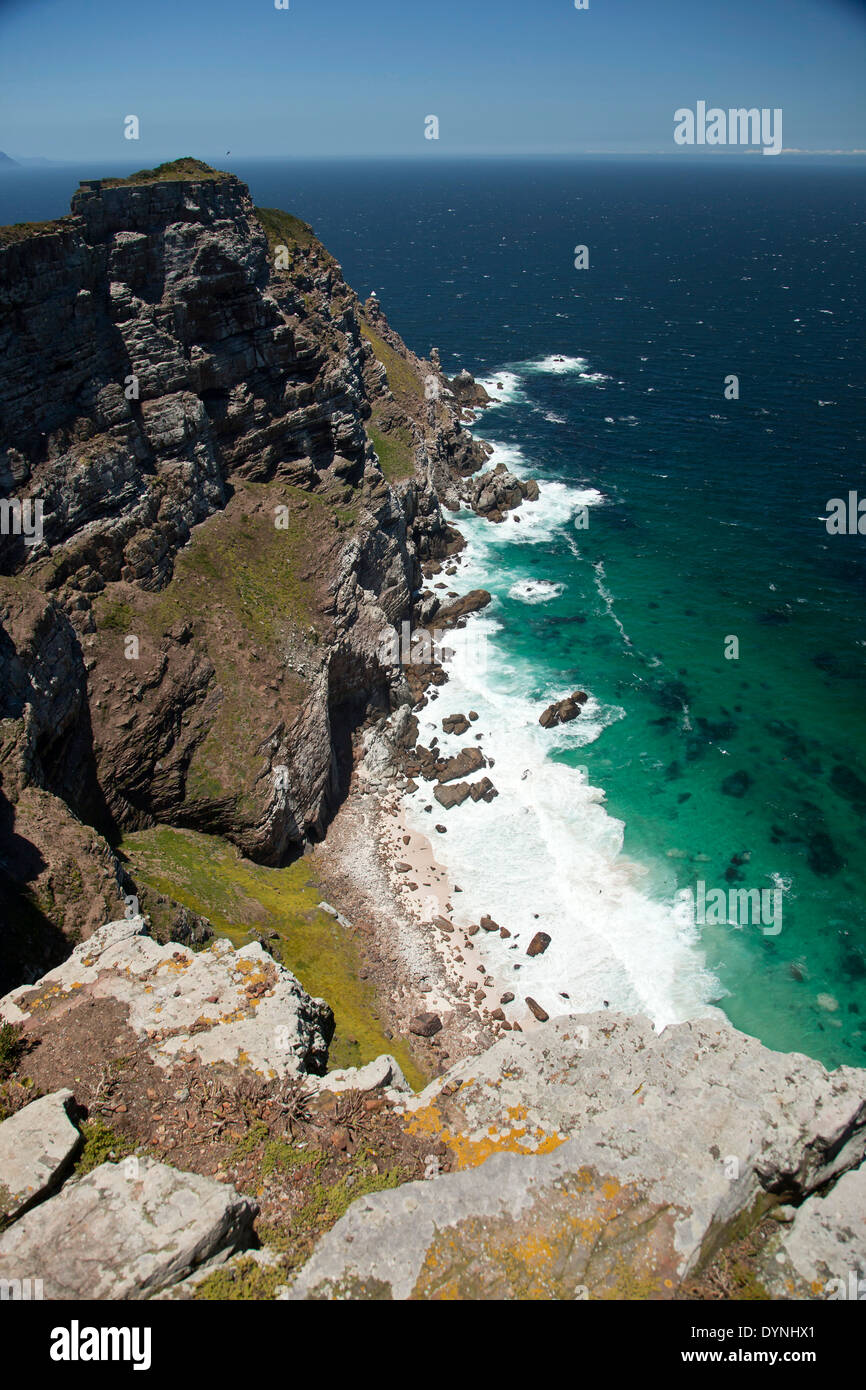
211,877
393,444
172,171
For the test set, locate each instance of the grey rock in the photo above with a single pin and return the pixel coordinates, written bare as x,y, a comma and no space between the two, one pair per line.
822,1252
126,1231
37,1149
261,1018
605,1155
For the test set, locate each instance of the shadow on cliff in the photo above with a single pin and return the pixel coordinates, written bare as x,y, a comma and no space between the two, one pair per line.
30,943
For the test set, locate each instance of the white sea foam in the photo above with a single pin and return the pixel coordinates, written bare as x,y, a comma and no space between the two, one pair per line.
556,506
546,855
556,364
511,455
535,590
504,387
594,377
607,598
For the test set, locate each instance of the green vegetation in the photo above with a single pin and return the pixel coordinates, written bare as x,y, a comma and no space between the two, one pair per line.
114,615
11,1048
243,562
254,585
333,1201
401,377
395,452
22,231
246,1279
280,1156
172,171
211,877
101,1145
254,1136
282,229
325,1195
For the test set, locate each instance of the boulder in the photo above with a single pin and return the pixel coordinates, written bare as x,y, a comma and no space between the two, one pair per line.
384,1073
483,790
37,1149
454,794
453,613
497,492
463,764
563,711
467,391
539,944
822,1252
125,1231
425,1025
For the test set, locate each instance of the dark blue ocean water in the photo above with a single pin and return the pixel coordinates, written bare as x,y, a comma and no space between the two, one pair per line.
705,523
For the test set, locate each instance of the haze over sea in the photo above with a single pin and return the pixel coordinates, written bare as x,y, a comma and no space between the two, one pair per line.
705,521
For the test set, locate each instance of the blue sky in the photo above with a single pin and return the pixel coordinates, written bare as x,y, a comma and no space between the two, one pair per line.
358,77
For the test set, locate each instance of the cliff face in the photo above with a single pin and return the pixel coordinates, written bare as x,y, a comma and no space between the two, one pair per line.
237,467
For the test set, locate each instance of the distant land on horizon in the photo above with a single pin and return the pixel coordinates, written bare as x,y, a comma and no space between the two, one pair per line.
24,161
8,162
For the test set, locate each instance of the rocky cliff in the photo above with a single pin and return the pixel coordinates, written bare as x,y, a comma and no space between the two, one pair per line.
182,1121
235,468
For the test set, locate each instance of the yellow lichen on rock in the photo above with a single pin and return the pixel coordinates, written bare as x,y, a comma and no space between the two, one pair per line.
514,1135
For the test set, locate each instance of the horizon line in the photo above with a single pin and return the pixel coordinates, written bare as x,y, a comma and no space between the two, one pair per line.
688,155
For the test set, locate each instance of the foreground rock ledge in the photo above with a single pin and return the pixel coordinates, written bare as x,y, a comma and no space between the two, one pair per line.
37,1149
237,1008
126,1231
600,1160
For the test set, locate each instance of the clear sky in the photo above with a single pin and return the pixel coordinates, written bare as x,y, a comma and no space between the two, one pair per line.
358,77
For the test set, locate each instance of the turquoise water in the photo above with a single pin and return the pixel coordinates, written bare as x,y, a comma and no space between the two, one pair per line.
740,773
705,522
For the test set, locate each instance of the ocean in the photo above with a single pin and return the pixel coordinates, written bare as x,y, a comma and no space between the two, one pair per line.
671,520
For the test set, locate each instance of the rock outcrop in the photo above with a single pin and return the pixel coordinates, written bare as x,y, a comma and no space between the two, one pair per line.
126,1230
494,494
820,1252
37,1148
220,1005
563,711
599,1160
